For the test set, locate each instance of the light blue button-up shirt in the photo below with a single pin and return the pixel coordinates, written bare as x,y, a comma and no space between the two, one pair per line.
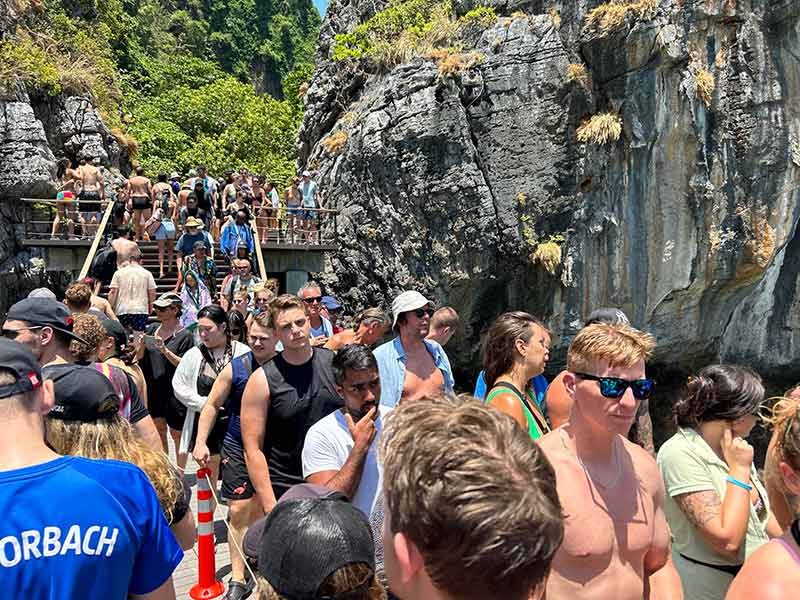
391,358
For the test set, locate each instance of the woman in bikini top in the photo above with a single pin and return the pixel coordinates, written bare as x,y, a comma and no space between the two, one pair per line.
516,350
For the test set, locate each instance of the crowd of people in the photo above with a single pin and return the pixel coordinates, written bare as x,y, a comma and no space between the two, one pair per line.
350,467
159,210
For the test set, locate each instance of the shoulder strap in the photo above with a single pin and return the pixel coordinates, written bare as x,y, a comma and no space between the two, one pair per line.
505,388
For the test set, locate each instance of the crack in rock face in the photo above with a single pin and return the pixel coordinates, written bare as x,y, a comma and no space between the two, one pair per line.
686,219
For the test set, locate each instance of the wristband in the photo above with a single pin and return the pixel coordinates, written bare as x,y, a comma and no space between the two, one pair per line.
741,484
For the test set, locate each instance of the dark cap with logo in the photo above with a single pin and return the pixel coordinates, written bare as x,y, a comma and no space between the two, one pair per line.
17,359
44,312
82,393
608,316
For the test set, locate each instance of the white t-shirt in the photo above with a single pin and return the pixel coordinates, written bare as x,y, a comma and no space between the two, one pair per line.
133,282
328,445
274,199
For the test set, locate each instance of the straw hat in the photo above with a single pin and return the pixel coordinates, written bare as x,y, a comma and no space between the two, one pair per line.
194,222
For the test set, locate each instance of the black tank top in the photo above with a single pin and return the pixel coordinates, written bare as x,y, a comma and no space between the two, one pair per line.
300,395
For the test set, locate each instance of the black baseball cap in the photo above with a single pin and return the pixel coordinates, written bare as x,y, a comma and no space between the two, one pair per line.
114,329
251,544
305,541
22,363
82,393
44,312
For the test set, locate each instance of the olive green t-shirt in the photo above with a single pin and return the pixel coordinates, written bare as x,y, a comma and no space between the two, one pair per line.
688,464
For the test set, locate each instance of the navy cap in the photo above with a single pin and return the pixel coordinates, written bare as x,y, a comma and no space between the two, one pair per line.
609,316
22,363
114,329
44,312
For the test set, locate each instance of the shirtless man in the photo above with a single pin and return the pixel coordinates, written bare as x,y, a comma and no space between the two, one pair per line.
139,193
124,247
93,192
412,367
616,539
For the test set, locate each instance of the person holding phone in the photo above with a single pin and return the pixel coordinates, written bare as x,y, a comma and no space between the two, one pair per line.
717,508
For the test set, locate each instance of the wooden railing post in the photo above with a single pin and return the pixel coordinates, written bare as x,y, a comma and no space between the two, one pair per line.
101,230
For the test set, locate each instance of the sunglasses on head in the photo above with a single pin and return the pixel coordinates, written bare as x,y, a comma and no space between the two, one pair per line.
313,300
614,387
421,312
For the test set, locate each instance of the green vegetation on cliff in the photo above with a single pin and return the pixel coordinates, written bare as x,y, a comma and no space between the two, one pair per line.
190,80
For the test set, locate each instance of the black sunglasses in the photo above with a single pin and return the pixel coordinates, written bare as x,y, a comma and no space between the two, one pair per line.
313,300
11,334
421,312
614,387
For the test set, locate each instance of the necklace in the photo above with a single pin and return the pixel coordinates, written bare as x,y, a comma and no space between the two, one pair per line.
604,485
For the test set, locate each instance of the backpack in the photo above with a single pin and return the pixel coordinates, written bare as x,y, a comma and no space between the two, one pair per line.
104,265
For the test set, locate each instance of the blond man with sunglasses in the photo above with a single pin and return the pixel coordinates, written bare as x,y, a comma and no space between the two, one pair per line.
616,539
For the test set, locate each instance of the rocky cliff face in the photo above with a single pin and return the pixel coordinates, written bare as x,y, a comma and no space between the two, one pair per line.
34,133
687,221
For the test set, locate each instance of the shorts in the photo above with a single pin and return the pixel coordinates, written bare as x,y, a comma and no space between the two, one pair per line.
295,210
157,401
166,231
134,322
88,216
141,203
215,436
308,215
90,202
176,413
236,483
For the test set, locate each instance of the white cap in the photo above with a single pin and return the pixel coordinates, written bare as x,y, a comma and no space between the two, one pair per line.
407,301
306,174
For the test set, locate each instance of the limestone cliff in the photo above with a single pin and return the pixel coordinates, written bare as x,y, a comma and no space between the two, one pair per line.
462,182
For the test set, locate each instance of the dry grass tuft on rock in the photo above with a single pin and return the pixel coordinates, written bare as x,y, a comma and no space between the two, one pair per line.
602,128
548,255
610,16
577,73
704,86
452,63
126,140
334,143
555,16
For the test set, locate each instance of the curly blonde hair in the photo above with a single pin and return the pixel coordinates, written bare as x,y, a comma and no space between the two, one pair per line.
115,439
90,329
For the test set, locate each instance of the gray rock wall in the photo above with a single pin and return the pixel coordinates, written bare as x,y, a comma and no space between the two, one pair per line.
688,221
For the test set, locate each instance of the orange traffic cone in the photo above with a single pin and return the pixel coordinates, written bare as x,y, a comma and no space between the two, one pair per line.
207,584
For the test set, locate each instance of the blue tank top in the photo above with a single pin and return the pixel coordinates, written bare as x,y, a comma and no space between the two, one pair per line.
242,367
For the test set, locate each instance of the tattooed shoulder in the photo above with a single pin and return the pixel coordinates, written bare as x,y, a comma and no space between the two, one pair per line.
700,507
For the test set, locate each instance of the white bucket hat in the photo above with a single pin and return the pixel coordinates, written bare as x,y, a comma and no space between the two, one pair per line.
407,301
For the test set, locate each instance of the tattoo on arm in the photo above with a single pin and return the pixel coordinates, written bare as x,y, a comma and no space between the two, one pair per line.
700,507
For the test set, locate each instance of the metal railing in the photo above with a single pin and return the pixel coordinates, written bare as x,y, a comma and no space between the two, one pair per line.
289,226
61,220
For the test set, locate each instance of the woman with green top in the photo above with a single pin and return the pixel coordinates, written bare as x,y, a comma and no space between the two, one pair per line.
716,506
515,350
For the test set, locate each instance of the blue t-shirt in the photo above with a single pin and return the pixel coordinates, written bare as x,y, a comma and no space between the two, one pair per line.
78,528
538,383
241,369
186,242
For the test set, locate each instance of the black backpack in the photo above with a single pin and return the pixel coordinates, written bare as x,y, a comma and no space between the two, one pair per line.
104,264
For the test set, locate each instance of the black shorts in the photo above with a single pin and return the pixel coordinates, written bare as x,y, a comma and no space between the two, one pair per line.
236,483
141,203
157,402
176,413
215,436
89,202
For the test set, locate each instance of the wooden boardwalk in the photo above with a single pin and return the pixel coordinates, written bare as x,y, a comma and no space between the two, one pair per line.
185,575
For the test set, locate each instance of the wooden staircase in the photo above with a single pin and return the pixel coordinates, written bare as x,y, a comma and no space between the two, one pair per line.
167,283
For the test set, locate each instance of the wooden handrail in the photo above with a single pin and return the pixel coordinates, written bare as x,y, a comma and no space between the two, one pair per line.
259,253
101,228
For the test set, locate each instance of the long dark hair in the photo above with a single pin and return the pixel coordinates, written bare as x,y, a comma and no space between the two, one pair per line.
217,314
236,320
499,349
719,393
